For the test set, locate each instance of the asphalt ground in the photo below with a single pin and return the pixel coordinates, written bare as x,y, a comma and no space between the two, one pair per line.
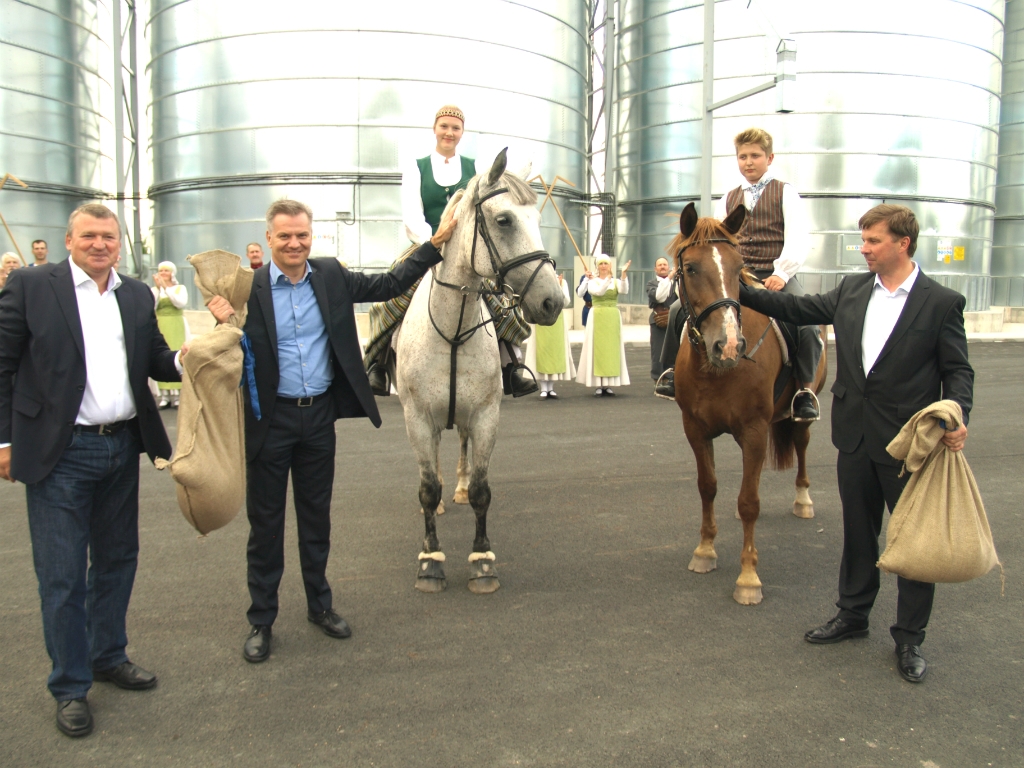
600,648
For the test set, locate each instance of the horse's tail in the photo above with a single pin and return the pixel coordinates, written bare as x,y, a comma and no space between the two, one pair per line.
780,443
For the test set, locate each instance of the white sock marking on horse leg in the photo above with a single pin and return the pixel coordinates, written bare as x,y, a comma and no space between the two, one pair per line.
439,556
481,556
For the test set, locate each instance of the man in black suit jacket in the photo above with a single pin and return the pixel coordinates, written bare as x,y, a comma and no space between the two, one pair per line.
900,346
77,344
309,372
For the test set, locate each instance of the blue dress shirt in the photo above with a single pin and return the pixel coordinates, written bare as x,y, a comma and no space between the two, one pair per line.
303,349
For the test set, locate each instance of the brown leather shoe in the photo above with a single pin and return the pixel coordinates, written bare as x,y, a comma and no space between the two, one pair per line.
127,676
74,718
834,631
910,663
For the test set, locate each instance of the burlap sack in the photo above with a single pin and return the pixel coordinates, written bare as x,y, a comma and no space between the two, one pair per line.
209,460
938,531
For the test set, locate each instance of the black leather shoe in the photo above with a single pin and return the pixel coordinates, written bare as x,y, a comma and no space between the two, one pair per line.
127,676
74,718
835,630
378,381
331,623
804,407
257,645
910,663
666,386
520,385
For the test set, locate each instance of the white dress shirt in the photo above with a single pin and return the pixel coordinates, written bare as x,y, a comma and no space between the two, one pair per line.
664,289
797,242
447,172
598,286
884,309
108,392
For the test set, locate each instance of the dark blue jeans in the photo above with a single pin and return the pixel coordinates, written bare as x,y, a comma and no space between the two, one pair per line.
84,522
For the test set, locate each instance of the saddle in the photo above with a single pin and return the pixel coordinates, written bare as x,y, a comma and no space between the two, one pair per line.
786,333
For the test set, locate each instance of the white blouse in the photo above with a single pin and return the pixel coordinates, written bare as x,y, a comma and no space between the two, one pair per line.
178,294
598,286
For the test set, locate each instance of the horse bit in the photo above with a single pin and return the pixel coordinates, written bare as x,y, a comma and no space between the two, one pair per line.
500,269
693,320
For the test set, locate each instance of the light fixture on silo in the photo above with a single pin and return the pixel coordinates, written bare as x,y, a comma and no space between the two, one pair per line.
785,76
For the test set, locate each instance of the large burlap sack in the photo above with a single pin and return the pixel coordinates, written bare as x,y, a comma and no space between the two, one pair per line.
209,460
939,531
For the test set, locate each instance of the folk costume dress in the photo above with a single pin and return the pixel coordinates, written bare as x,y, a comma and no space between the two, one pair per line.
170,319
548,354
603,361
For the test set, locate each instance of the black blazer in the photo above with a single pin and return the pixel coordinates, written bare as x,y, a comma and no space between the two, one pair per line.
924,360
42,366
336,289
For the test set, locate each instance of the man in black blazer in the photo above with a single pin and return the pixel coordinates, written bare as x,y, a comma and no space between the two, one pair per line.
77,344
900,346
309,372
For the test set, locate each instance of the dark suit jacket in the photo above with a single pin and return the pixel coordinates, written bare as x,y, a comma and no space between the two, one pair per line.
42,366
336,290
924,360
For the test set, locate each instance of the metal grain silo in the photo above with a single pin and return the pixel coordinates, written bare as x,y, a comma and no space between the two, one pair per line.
898,102
1008,237
251,104
56,102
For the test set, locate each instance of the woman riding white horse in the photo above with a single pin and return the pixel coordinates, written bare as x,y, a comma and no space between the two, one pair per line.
448,363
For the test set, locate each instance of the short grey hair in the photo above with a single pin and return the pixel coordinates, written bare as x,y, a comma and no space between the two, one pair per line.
96,211
288,208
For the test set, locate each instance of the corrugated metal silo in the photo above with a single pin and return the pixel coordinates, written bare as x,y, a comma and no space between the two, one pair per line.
56,102
1008,237
321,106
898,102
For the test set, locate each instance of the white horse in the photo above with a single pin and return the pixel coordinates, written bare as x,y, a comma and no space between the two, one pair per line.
445,337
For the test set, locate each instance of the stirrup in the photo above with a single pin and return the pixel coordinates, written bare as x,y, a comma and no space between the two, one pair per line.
530,387
658,384
817,406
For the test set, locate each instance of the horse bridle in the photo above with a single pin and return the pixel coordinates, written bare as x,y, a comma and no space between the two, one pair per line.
693,320
500,269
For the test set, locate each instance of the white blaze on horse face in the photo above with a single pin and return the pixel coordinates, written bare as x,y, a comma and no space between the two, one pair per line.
729,324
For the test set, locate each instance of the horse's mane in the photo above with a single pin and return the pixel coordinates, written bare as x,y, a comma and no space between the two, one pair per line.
706,230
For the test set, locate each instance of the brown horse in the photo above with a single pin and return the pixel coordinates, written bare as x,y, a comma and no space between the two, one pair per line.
724,381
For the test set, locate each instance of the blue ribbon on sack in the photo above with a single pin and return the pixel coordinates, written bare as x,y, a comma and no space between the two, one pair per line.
249,375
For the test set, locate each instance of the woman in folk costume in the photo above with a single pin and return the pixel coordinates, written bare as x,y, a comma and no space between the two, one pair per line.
603,362
170,299
548,353
427,185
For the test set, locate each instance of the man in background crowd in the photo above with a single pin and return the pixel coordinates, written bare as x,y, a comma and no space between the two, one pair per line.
40,251
254,252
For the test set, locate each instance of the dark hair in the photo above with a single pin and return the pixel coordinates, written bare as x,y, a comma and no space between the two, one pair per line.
899,219
288,208
38,241
96,211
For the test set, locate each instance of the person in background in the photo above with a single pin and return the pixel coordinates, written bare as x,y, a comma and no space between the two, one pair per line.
8,263
78,344
603,360
40,251
170,300
588,302
254,253
549,353
661,292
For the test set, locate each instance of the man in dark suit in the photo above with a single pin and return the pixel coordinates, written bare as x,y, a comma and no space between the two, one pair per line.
77,344
900,346
661,292
309,372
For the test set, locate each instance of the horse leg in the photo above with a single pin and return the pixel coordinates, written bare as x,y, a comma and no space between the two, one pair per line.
483,578
462,473
803,506
754,444
705,559
440,479
430,576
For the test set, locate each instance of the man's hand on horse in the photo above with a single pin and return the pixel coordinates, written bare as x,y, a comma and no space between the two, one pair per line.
955,440
221,308
774,283
444,232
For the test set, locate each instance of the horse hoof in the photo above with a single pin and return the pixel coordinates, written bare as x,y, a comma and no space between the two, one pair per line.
461,496
747,595
703,564
430,578
484,586
803,511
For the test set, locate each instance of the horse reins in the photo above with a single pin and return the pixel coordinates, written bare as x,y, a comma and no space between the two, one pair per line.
500,269
693,320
